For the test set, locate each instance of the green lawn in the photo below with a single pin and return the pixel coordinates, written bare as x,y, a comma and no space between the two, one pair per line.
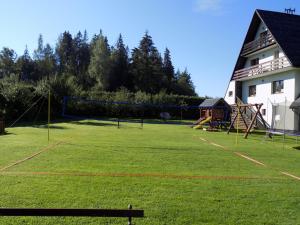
173,172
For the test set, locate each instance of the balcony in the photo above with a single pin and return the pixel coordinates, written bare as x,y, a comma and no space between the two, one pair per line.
258,44
263,68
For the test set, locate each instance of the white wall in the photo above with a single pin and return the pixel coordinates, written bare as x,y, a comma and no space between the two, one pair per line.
231,87
264,94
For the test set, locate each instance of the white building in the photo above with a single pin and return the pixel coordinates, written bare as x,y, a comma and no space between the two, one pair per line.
268,68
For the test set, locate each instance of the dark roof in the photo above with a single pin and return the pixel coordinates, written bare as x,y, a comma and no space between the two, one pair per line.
285,29
213,102
295,104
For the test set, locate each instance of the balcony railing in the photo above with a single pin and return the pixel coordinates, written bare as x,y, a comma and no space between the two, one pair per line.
258,44
262,68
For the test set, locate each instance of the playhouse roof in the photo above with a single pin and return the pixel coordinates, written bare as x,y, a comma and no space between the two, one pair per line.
213,102
285,29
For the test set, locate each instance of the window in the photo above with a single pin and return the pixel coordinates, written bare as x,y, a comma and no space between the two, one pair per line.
277,86
263,111
252,90
263,34
254,62
230,93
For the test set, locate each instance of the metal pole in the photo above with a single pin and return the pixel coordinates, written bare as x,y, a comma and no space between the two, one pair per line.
49,109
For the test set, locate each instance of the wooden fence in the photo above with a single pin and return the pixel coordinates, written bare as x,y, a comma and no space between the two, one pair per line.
126,213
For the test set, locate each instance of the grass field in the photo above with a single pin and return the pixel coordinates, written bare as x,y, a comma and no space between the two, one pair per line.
176,174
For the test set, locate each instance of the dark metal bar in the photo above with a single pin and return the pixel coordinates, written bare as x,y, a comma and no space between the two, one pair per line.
130,218
72,212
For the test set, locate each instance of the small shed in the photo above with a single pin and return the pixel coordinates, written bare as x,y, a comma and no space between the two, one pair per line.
216,108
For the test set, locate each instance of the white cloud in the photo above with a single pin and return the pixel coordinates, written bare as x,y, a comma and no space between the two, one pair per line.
208,6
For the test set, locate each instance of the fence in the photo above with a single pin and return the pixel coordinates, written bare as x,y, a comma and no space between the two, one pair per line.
129,213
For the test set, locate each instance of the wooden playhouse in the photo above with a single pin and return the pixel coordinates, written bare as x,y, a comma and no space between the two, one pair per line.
215,112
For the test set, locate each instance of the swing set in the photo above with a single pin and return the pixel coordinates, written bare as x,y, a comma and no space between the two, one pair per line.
244,117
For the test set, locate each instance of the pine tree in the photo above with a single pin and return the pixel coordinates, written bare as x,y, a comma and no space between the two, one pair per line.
82,56
26,67
100,65
146,66
44,59
7,62
65,52
168,69
119,75
184,84
38,54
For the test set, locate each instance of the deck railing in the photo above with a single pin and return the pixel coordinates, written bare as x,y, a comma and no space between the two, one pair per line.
262,68
258,44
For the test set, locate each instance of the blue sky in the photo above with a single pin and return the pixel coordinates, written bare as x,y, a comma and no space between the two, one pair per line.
203,35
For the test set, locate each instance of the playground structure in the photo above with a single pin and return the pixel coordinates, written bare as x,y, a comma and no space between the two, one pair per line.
214,112
246,117
2,126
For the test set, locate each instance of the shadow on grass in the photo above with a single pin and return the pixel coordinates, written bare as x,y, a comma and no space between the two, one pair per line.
7,133
45,126
91,123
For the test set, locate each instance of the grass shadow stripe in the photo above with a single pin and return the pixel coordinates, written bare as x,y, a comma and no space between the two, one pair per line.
154,175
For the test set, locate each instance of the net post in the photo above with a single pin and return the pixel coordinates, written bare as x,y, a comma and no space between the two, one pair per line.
49,105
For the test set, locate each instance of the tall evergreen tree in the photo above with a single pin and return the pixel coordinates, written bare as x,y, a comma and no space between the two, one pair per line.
26,67
82,56
119,75
100,65
44,59
65,52
168,69
184,84
7,62
146,66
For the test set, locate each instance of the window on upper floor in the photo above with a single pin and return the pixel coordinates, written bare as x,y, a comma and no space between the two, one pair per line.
263,35
230,93
263,112
277,86
252,91
254,62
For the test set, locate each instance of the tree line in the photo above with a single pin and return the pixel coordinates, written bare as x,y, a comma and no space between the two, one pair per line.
96,65
92,68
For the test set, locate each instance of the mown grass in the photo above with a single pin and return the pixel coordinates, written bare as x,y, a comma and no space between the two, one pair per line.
97,166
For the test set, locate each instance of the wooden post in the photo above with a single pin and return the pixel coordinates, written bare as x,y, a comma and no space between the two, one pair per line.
232,122
49,114
253,120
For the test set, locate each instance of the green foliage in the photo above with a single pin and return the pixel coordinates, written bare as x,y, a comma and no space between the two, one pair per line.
146,67
7,62
100,65
92,69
